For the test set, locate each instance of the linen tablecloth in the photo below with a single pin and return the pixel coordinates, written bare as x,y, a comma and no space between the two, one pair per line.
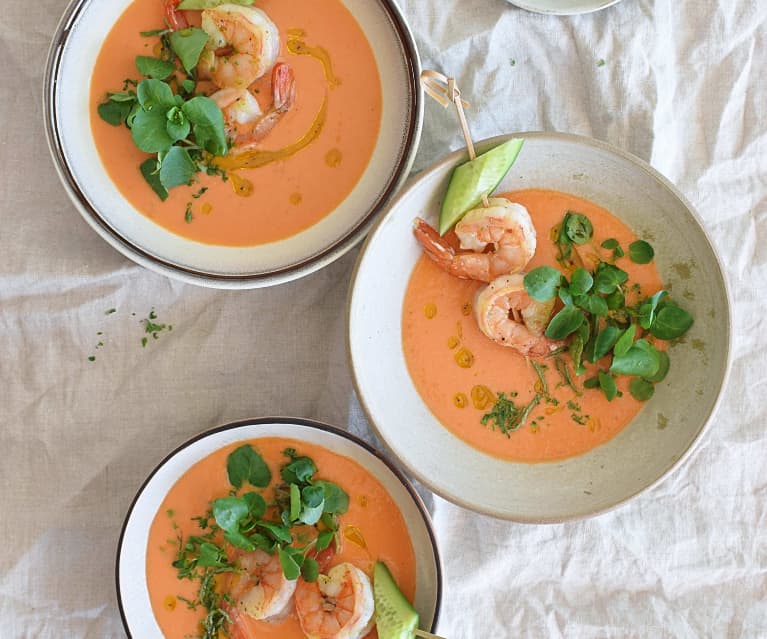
680,84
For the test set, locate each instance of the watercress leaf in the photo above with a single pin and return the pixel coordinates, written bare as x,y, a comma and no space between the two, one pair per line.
618,252
541,283
324,539
578,228
153,32
188,44
336,498
298,471
188,85
256,505
565,322
640,252
576,352
625,341
615,300
290,567
154,67
262,542
607,384
641,360
641,389
211,556
671,322
605,341
151,173
229,511
236,538
313,502
564,295
280,533
647,309
149,132
155,95
594,304
591,382
177,125
310,570
177,168
581,282
195,5
245,464
608,277
124,96
663,366
295,502
207,124
114,113
610,244
132,114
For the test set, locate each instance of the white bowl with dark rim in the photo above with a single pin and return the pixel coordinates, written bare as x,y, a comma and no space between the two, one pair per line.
641,454
563,7
75,47
132,590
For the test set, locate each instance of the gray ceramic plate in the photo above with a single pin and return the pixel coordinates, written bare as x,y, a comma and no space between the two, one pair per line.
132,592
73,53
643,452
563,7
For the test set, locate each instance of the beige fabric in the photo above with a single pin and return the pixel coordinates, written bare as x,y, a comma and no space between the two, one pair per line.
682,86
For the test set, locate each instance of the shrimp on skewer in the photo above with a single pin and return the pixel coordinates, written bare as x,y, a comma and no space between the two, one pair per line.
259,590
339,605
496,307
246,122
503,226
243,44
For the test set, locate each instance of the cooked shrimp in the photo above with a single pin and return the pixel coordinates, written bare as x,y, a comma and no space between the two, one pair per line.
245,120
243,44
504,226
176,19
510,317
338,605
260,590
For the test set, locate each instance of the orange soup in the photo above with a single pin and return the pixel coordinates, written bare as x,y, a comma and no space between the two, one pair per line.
337,111
458,371
372,529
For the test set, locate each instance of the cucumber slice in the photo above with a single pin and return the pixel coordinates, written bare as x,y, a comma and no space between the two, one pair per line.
395,617
475,178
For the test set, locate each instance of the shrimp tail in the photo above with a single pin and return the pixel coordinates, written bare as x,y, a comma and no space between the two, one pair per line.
283,99
176,19
238,626
467,266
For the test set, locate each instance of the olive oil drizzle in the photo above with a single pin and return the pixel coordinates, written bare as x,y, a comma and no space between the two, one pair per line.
297,46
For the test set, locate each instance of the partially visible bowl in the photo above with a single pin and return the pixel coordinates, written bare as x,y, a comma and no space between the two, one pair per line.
644,451
131,577
74,50
563,7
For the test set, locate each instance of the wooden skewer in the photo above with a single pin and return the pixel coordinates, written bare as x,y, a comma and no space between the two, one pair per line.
427,635
445,91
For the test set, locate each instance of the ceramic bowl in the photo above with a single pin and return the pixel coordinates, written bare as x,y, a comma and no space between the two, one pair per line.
563,7
72,56
643,452
132,592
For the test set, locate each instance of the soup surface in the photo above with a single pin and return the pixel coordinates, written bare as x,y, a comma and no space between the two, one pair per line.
439,330
287,195
372,529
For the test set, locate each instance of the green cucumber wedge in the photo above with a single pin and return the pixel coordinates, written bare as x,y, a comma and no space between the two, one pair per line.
475,178
395,617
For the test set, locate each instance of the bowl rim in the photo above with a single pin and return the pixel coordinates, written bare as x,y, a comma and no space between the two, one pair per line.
527,6
201,277
291,421
453,159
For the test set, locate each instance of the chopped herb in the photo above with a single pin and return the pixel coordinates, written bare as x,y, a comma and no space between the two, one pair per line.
110,311
506,416
188,213
92,358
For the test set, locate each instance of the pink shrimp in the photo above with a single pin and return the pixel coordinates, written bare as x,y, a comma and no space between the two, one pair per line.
176,19
504,227
510,317
246,122
339,605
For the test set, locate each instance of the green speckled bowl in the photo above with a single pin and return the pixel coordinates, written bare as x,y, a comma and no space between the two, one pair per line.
651,446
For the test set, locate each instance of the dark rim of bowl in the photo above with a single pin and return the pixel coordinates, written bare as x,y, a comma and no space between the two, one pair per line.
336,249
453,159
295,421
